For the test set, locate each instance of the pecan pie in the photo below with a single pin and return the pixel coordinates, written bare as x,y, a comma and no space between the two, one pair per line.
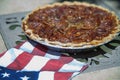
71,24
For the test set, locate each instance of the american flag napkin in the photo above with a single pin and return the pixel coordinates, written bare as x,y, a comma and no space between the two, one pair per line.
32,61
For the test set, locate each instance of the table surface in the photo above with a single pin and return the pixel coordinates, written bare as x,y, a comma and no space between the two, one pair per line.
7,7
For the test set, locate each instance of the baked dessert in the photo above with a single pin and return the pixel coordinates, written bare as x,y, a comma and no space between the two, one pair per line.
71,24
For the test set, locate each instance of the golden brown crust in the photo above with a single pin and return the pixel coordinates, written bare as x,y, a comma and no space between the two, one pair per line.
36,37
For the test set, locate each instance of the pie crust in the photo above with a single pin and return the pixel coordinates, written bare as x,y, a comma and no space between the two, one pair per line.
30,32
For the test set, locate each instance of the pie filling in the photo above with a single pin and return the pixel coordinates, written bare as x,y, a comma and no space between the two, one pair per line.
75,23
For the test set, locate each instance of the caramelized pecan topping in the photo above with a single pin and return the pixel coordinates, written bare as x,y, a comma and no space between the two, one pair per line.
72,23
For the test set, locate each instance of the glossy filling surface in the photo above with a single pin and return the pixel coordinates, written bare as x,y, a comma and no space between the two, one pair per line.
71,23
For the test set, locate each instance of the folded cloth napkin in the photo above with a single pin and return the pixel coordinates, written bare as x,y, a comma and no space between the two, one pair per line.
32,61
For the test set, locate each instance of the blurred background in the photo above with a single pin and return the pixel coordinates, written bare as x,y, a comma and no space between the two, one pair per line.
12,6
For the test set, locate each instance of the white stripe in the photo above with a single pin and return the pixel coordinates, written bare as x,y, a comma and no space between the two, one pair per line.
9,57
52,55
36,63
46,75
27,47
73,66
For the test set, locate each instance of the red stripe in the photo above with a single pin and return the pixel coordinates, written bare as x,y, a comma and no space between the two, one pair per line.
66,59
21,61
62,75
83,68
1,54
56,64
39,50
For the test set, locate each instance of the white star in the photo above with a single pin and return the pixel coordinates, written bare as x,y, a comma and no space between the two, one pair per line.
24,78
17,71
5,74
